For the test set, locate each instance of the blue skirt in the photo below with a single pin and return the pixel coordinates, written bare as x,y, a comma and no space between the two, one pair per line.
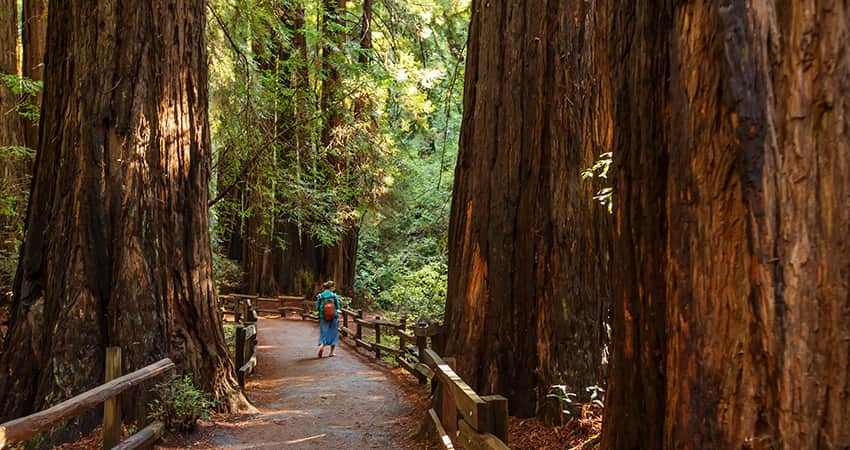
329,332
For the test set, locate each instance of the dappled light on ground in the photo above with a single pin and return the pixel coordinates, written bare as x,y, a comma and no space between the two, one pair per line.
347,401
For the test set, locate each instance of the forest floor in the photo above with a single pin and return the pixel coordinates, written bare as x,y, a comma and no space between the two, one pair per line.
345,402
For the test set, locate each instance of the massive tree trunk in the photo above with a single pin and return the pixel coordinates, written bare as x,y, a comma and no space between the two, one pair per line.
260,231
528,276
300,261
118,250
34,42
339,261
635,398
732,315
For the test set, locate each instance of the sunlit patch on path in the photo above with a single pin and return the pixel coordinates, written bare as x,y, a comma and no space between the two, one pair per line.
345,402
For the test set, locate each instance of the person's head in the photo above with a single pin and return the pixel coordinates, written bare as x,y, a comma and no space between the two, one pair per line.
328,285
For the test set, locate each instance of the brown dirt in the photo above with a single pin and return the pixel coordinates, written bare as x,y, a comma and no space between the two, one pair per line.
580,432
345,402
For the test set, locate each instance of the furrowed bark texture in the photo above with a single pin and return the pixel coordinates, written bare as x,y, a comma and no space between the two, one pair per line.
118,249
14,169
11,132
635,398
528,278
731,320
34,42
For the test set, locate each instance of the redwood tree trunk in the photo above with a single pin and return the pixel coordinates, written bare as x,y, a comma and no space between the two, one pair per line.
118,248
14,169
10,123
339,259
331,100
34,40
732,316
528,274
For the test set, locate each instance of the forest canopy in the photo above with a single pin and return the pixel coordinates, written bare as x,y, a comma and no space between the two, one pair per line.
328,120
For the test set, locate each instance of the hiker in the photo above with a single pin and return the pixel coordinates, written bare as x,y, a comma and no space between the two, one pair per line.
327,304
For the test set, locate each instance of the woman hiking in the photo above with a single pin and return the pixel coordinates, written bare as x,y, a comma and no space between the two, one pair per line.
327,304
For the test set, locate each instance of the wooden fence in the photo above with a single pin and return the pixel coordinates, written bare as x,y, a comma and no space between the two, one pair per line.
26,427
459,415
245,347
246,351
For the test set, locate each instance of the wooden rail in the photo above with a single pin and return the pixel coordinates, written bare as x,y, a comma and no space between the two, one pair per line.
144,438
241,306
459,413
28,426
282,304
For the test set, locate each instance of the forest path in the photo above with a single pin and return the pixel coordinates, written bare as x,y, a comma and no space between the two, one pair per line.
344,402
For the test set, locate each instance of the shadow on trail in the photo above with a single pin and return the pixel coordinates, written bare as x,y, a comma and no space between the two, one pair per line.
345,402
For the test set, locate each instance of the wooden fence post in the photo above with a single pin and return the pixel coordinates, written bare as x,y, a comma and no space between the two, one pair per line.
498,406
421,346
240,354
237,313
402,345
359,327
344,319
438,340
447,407
377,338
112,406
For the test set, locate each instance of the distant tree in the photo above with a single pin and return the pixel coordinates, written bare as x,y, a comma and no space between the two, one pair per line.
34,42
14,158
117,251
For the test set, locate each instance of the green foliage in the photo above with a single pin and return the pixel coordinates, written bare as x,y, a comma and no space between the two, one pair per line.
388,166
568,400
403,255
14,189
228,273
265,92
180,403
229,329
599,169
39,441
27,89
419,293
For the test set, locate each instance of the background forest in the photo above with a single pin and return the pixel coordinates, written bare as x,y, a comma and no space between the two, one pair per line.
334,125
331,123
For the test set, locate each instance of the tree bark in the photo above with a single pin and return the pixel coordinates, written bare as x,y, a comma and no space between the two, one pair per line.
34,40
528,273
331,103
361,101
731,318
118,249
339,262
14,170
10,127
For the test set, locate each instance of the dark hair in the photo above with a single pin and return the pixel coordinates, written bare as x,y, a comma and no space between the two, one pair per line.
328,285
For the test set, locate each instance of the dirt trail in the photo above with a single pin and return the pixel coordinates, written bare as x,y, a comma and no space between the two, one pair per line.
344,402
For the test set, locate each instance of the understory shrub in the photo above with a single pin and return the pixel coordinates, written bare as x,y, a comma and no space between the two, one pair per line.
180,403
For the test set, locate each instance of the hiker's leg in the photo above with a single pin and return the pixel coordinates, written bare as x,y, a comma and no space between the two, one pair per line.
333,349
321,349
